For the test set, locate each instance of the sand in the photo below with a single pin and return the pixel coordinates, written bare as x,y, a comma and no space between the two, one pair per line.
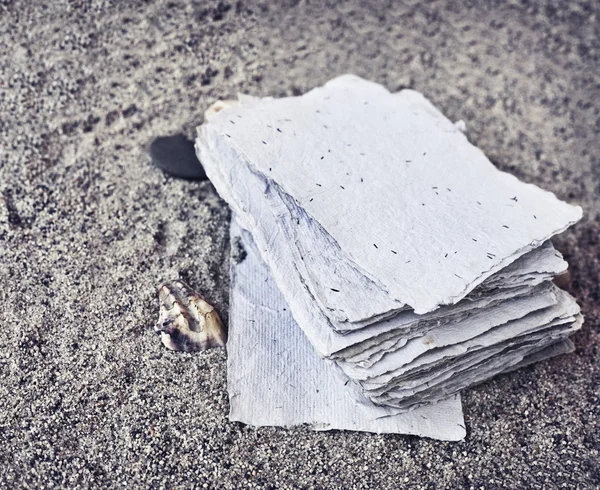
88,229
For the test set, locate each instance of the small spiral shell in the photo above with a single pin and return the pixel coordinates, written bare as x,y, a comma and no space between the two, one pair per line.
186,322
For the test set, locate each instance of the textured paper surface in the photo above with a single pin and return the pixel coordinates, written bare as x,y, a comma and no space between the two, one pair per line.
409,190
496,360
472,327
249,197
354,317
565,311
275,378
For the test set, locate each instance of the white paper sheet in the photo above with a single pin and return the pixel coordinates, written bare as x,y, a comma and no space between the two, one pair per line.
355,304
376,195
564,311
275,378
456,333
249,197
472,370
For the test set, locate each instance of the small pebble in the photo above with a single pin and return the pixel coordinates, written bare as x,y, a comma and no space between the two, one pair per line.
176,156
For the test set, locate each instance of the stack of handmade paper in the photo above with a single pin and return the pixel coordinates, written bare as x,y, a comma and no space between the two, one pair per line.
409,261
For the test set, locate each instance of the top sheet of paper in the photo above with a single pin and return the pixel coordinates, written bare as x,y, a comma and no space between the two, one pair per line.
420,210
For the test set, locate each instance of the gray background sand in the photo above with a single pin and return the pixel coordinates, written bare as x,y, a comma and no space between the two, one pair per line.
88,229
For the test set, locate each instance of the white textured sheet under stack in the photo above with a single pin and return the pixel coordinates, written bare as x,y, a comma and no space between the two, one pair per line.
403,254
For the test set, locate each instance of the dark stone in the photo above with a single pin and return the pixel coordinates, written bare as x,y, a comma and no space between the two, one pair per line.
176,156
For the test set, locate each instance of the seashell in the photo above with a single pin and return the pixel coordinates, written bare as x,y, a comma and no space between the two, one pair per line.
186,321
218,106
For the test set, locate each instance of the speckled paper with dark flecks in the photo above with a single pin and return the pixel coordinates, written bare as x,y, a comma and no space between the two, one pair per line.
377,340
359,159
275,377
260,208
